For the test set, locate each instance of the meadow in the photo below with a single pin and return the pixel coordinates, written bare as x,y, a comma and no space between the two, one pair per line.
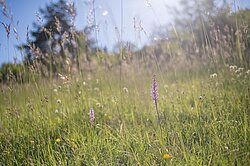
181,100
203,120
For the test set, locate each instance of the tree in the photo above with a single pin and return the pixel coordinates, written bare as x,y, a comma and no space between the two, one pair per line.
54,43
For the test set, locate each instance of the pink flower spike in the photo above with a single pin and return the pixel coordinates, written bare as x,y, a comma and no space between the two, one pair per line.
91,116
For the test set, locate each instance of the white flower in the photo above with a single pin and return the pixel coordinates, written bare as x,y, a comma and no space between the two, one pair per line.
213,75
98,104
58,101
125,90
232,67
237,71
241,69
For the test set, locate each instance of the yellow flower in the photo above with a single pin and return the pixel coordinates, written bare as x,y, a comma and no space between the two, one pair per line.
58,140
167,156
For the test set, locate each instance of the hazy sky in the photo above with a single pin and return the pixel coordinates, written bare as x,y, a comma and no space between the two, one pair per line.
146,14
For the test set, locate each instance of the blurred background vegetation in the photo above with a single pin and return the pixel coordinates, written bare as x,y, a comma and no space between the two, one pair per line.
204,33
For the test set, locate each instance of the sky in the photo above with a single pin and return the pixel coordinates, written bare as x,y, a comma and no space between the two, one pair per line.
136,15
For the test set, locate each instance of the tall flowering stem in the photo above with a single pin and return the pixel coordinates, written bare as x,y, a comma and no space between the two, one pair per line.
91,116
154,95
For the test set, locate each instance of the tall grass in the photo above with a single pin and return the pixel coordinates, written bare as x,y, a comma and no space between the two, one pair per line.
106,116
204,121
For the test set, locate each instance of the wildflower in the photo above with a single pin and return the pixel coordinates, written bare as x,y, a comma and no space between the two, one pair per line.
98,105
91,115
125,90
232,67
241,69
154,91
248,71
58,101
167,156
200,97
154,95
58,140
213,75
237,71
55,90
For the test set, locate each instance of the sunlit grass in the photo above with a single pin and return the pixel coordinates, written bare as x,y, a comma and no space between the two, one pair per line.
89,106
204,121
